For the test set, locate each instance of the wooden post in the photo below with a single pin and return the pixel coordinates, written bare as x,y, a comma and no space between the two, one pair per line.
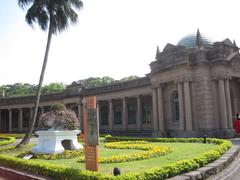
91,133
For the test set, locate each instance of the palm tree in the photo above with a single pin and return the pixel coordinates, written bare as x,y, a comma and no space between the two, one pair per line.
54,16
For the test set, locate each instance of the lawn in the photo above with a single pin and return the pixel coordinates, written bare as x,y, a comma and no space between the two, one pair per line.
181,151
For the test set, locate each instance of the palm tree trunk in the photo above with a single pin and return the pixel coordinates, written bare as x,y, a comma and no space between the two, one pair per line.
27,136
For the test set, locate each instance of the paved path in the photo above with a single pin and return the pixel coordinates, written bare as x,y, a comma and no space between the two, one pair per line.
233,171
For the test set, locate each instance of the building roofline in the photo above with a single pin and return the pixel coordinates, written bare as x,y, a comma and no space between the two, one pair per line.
139,82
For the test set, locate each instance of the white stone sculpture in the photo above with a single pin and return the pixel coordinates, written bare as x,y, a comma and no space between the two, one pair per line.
52,141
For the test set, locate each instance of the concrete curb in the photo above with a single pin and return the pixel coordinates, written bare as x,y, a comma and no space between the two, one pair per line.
212,168
9,174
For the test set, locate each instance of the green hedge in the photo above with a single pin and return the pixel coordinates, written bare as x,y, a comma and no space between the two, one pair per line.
61,172
7,140
109,138
6,148
47,169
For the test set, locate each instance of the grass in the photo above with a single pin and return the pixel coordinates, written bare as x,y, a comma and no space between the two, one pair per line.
181,151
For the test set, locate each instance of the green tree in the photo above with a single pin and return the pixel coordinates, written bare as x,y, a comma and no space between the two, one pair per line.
97,81
53,88
54,16
2,91
129,78
107,80
17,89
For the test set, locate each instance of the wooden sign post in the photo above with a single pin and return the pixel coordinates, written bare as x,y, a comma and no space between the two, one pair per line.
91,133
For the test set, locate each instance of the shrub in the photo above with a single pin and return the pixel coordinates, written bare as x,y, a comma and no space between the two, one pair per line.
6,148
57,107
17,136
59,119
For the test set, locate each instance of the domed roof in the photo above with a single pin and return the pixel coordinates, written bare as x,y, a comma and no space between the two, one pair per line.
189,41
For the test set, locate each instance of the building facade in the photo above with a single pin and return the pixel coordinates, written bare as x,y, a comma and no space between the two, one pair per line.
193,89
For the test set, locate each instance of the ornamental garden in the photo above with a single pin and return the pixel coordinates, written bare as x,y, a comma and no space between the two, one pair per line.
137,158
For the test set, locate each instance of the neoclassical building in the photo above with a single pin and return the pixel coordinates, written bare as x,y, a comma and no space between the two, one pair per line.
193,89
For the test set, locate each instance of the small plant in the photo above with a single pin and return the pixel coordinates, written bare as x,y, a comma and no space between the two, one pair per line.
58,118
57,107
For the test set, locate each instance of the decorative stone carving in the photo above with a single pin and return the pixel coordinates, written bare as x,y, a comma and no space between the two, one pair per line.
183,78
154,83
235,62
170,57
221,75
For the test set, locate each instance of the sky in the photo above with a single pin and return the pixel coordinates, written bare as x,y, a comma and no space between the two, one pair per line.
115,38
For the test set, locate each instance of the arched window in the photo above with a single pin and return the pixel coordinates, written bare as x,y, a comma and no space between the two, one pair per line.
175,107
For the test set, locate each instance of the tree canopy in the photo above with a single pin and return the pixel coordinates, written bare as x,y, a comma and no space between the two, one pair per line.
24,89
97,81
20,89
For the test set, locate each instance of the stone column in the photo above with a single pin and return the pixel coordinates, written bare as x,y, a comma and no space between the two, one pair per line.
0,120
80,115
155,110
188,107
139,114
181,105
20,118
98,115
160,109
31,116
223,108
42,110
10,120
110,117
229,105
124,116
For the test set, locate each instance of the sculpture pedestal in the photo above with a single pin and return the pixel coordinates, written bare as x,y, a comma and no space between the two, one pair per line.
50,142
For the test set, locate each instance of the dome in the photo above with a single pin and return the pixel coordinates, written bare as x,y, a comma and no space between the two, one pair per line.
189,41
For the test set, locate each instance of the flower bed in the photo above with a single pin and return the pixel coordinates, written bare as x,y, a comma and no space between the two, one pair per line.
67,154
17,136
150,151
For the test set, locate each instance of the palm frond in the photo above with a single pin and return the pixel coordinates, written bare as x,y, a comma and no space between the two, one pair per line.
72,15
24,3
76,3
37,14
58,13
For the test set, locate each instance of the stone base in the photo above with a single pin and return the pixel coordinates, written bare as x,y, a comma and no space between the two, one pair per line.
220,133
50,142
159,134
